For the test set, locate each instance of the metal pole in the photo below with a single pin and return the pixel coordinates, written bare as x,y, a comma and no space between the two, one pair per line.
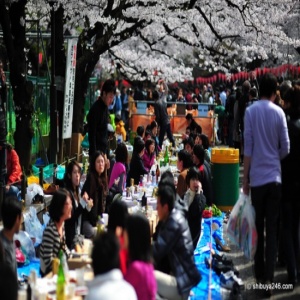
53,100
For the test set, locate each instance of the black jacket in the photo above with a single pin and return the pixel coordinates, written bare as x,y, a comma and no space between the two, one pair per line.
174,241
72,223
194,125
98,198
161,114
290,165
195,215
136,169
97,119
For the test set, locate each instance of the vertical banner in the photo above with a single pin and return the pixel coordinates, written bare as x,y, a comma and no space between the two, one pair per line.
69,88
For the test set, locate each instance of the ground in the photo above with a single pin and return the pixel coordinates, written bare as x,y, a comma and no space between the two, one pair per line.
245,267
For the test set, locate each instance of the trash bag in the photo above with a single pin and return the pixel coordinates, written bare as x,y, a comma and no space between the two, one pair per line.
33,226
26,245
32,191
241,227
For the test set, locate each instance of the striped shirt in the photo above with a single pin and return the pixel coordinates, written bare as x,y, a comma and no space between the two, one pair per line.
51,244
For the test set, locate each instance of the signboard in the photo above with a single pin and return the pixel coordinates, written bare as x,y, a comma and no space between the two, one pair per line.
69,88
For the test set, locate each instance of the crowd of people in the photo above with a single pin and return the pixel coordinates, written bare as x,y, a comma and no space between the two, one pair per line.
268,133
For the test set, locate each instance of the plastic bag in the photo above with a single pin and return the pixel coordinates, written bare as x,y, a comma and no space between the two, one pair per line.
26,245
33,190
33,226
241,227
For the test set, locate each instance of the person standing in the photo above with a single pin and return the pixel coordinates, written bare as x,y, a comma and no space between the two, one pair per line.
97,119
162,119
163,90
291,185
266,144
3,129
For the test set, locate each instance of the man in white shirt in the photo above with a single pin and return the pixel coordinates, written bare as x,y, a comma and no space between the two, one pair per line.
108,283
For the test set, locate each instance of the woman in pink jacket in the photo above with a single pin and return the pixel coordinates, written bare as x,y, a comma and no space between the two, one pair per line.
118,173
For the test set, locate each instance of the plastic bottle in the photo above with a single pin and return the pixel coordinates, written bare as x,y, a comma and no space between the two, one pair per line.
61,279
153,178
166,157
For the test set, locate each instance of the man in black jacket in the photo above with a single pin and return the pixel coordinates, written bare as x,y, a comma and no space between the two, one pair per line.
98,118
162,119
174,241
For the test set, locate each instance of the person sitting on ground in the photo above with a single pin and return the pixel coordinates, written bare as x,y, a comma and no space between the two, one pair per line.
204,141
136,168
189,145
54,238
174,241
14,171
140,131
108,282
8,282
140,272
205,171
154,130
120,128
184,162
118,215
118,173
149,154
148,135
195,201
95,187
194,126
12,220
74,238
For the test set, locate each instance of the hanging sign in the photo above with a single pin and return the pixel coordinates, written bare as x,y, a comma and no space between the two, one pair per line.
69,88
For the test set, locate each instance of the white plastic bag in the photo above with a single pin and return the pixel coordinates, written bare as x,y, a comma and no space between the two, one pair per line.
33,226
241,227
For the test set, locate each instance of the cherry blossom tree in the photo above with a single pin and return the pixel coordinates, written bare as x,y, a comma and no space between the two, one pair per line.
147,37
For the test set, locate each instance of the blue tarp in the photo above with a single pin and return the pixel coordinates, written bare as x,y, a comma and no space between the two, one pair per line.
201,291
33,265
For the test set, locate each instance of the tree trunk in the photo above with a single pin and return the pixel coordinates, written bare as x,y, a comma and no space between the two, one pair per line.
14,38
84,69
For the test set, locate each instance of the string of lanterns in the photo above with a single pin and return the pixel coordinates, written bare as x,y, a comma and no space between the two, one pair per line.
282,70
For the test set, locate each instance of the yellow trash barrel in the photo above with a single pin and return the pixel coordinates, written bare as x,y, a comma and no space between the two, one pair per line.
225,177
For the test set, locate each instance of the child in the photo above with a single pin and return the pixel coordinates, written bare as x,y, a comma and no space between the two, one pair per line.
195,200
120,128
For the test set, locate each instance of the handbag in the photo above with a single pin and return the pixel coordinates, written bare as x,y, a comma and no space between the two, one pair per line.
241,227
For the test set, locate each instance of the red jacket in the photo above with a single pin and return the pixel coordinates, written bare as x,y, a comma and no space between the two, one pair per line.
14,170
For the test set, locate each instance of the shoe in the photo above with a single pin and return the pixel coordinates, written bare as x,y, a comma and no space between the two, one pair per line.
223,259
20,257
219,267
269,291
229,279
220,246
